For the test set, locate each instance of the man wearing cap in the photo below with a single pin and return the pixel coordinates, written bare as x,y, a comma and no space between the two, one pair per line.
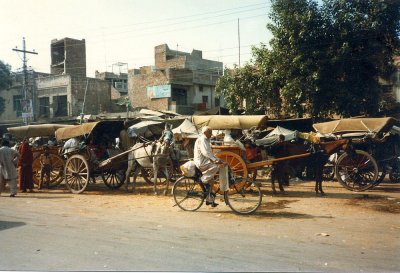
206,161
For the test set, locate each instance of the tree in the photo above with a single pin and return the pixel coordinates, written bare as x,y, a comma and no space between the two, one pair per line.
323,59
5,82
364,42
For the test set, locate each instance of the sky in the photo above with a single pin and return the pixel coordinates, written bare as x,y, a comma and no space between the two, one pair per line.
126,31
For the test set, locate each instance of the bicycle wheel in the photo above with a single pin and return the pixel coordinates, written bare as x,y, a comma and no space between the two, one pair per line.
244,196
188,194
356,171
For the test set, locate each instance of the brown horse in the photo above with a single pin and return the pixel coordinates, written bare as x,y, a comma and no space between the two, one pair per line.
316,156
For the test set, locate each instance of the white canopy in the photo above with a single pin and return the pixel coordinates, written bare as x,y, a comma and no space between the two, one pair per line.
273,136
186,130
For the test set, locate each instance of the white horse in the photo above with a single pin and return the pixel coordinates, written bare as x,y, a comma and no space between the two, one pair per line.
156,155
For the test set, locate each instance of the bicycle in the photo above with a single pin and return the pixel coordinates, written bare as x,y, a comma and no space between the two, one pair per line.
243,197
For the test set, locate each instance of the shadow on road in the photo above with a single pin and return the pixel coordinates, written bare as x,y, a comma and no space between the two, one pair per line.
6,224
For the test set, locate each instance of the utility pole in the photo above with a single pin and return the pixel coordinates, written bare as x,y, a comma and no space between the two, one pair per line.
24,68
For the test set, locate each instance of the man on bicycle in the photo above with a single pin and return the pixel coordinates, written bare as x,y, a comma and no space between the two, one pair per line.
206,162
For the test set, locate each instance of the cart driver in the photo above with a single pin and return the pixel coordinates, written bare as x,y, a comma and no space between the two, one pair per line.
206,162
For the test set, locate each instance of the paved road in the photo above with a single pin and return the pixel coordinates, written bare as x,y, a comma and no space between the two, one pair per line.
105,230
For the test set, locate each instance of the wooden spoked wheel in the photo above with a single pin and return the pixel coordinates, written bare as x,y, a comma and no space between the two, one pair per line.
113,179
235,162
356,171
57,171
76,173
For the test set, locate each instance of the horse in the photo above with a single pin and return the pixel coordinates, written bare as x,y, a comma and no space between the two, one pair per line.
156,155
318,154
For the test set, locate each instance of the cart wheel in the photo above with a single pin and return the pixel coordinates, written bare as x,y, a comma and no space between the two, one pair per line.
113,179
56,174
76,173
235,162
356,171
148,176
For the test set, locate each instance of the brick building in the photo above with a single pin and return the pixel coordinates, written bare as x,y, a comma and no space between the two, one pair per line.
181,82
62,94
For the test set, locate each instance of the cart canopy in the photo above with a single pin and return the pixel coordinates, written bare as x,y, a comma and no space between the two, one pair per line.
368,125
186,130
230,122
147,128
40,130
110,128
273,136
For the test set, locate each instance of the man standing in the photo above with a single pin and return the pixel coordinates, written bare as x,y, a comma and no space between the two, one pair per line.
8,171
25,167
206,162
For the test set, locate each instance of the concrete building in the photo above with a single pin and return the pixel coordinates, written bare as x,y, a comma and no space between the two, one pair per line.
181,82
118,82
67,91
15,94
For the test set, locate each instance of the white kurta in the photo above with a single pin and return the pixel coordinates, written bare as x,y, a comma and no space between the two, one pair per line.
71,145
8,170
204,159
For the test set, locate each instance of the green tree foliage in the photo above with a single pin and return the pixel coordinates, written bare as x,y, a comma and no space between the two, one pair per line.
5,82
242,84
5,76
323,59
365,37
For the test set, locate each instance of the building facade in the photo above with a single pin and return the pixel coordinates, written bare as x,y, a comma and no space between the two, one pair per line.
67,92
118,82
181,82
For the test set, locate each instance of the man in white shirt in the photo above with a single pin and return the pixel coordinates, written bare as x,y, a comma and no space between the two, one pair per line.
8,170
71,145
206,161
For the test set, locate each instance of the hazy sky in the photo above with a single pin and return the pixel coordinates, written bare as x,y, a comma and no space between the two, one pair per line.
128,30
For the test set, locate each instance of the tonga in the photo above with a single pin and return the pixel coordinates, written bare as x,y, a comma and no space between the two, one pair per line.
45,131
82,164
376,140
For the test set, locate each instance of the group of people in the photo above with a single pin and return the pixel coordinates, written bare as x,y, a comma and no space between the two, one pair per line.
16,167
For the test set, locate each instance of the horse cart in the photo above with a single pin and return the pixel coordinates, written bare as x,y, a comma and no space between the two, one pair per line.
356,168
375,139
95,155
44,131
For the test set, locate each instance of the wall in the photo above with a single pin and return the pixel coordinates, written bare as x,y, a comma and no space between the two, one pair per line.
137,89
98,95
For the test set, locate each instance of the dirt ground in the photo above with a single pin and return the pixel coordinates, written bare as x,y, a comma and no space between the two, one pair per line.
296,231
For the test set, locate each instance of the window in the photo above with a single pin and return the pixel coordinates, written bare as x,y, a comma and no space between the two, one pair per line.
179,96
201,88
205,99
44,105
60,103
17,105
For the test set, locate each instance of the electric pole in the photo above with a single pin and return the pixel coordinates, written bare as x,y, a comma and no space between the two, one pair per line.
24,68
